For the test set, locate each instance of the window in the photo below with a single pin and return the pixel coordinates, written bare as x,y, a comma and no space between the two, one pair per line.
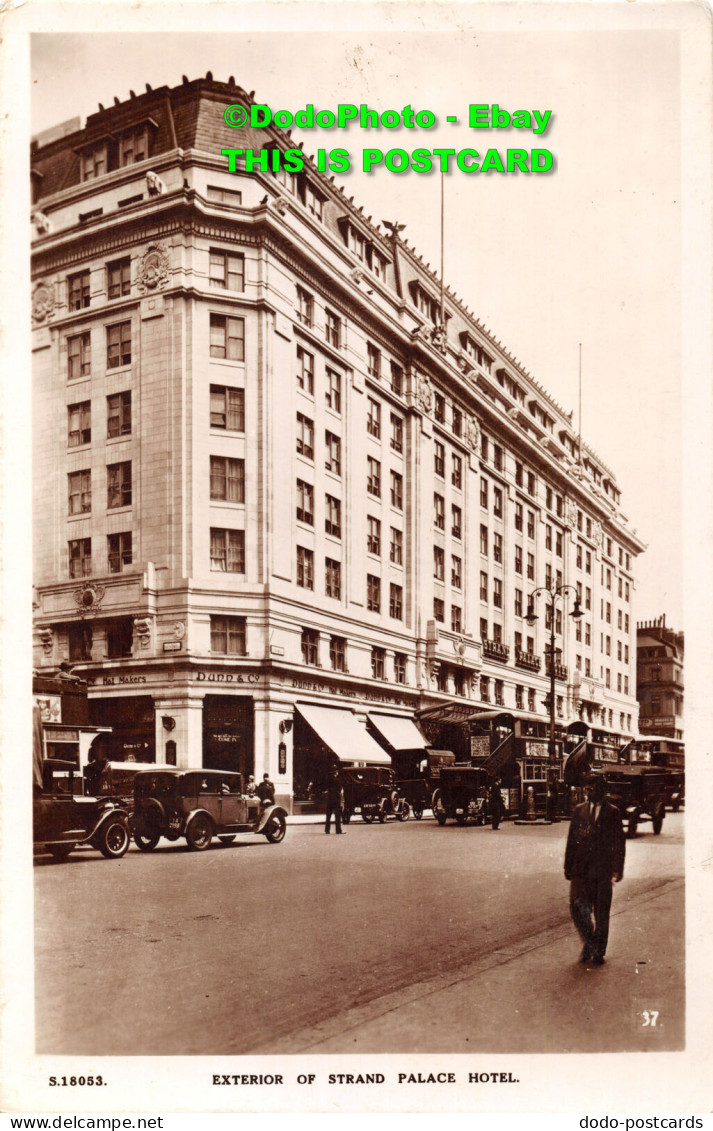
118,278
120,551
227,550
589,528
118,345
518,559
456,521
531,484
399,667
587,666
79,638
374,361
373,419
79,424
519,692
483,586
456,619
305,436
558,622
396,546
579,557
439,512
518,602
498,548
438,563
79,356
373,593
457,472
439,458
618,650
457,422
223,195
305,307
588,560
333,516
305,371
531,567
456,572
226,269
484,629
133,147
397,433
333,448
627,591
588,635
80,492
530,699
548,536
227,408
378,656
484,493
498,461
373,477
558,544
497,593
305,568
626,622
483,447
118,415
333,329
314,203
333,394
227,479
373,536
396,599
332,578
118,484
305,502
518,516
397,379
310,646
608,613
499,692
227,337
626,653
548,575
78,290
439,410
439,610
485,689
338,653
93,163
397,491
530,525
80,557
483,539
119,637
497,502
518,473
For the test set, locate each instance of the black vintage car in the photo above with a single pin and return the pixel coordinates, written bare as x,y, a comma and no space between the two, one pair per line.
64,819
419,788
639,792
462,794
198,805
371,791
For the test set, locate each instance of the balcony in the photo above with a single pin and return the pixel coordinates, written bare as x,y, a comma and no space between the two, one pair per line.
560,671
495,650
527,660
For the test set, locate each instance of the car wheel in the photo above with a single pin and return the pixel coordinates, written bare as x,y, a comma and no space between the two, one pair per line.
633,824
437,806
146,841
658,819
114,839
404,812
346,817
199,833
382,814
226,840
60,851
676,805
417,810
367,817
461,818
275,828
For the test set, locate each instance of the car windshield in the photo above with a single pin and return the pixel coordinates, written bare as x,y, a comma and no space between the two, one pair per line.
155,785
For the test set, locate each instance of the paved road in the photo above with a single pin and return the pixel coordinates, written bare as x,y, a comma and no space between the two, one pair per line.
392,938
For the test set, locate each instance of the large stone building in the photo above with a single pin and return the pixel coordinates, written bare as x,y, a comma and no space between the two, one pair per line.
278,471
659,678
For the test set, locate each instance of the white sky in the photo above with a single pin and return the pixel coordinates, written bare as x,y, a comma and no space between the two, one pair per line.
590,252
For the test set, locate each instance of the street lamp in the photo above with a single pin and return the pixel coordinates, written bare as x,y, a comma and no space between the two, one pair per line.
555,594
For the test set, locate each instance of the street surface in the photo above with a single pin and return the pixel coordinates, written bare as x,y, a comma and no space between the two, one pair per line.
392,938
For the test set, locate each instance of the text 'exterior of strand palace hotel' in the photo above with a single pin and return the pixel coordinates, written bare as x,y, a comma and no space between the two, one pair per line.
271,504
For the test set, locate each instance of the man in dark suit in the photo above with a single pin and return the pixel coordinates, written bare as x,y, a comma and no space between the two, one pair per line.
496,804
334,800
594,857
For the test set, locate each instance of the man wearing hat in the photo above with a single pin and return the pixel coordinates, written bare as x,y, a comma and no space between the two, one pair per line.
594,858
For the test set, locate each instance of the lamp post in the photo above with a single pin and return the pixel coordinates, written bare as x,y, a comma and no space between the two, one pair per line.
555,594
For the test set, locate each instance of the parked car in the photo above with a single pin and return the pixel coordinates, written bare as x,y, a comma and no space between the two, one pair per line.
371,791
198,805
639,792
64,819
461,794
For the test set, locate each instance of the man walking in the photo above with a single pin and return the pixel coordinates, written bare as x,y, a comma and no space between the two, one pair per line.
334,800
594,857
496,804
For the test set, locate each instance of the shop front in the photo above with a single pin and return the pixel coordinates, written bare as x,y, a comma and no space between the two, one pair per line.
132,722
228,734
321,735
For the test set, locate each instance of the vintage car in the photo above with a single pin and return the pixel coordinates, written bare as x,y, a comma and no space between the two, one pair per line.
371,791
64,819
639,792
418,789
462,794
198,805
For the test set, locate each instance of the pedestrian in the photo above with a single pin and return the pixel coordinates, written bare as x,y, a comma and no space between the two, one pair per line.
250,790
496,804
334,800
594,857
553,800
266,790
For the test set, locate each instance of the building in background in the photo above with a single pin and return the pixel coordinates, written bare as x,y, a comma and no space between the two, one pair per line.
659,679
282,480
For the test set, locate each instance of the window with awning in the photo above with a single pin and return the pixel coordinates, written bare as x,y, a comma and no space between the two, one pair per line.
399,732
343,734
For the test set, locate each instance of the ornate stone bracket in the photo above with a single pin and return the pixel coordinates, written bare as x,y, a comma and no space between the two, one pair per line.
43,302
142,631
153,270
42,223
46,636
154,184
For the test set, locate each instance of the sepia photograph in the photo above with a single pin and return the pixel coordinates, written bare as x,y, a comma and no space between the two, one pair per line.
361,346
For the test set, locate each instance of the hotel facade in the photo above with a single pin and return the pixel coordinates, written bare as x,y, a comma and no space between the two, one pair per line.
282,484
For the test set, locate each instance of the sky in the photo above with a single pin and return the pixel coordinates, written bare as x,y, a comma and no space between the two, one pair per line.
589,253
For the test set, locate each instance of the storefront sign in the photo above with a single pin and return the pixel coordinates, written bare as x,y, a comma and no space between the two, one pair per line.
172,645
228,677
479,746
114,680
655,721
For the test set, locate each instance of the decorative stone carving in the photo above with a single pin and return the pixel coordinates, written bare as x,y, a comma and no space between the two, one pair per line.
570,514
357,275
153,268
43,303
464,364
439,337
420,334
89,597
154,184
459,647
472,433
434,667
597,533
46,636
424,393
42,223
280,204
142,631
179,630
